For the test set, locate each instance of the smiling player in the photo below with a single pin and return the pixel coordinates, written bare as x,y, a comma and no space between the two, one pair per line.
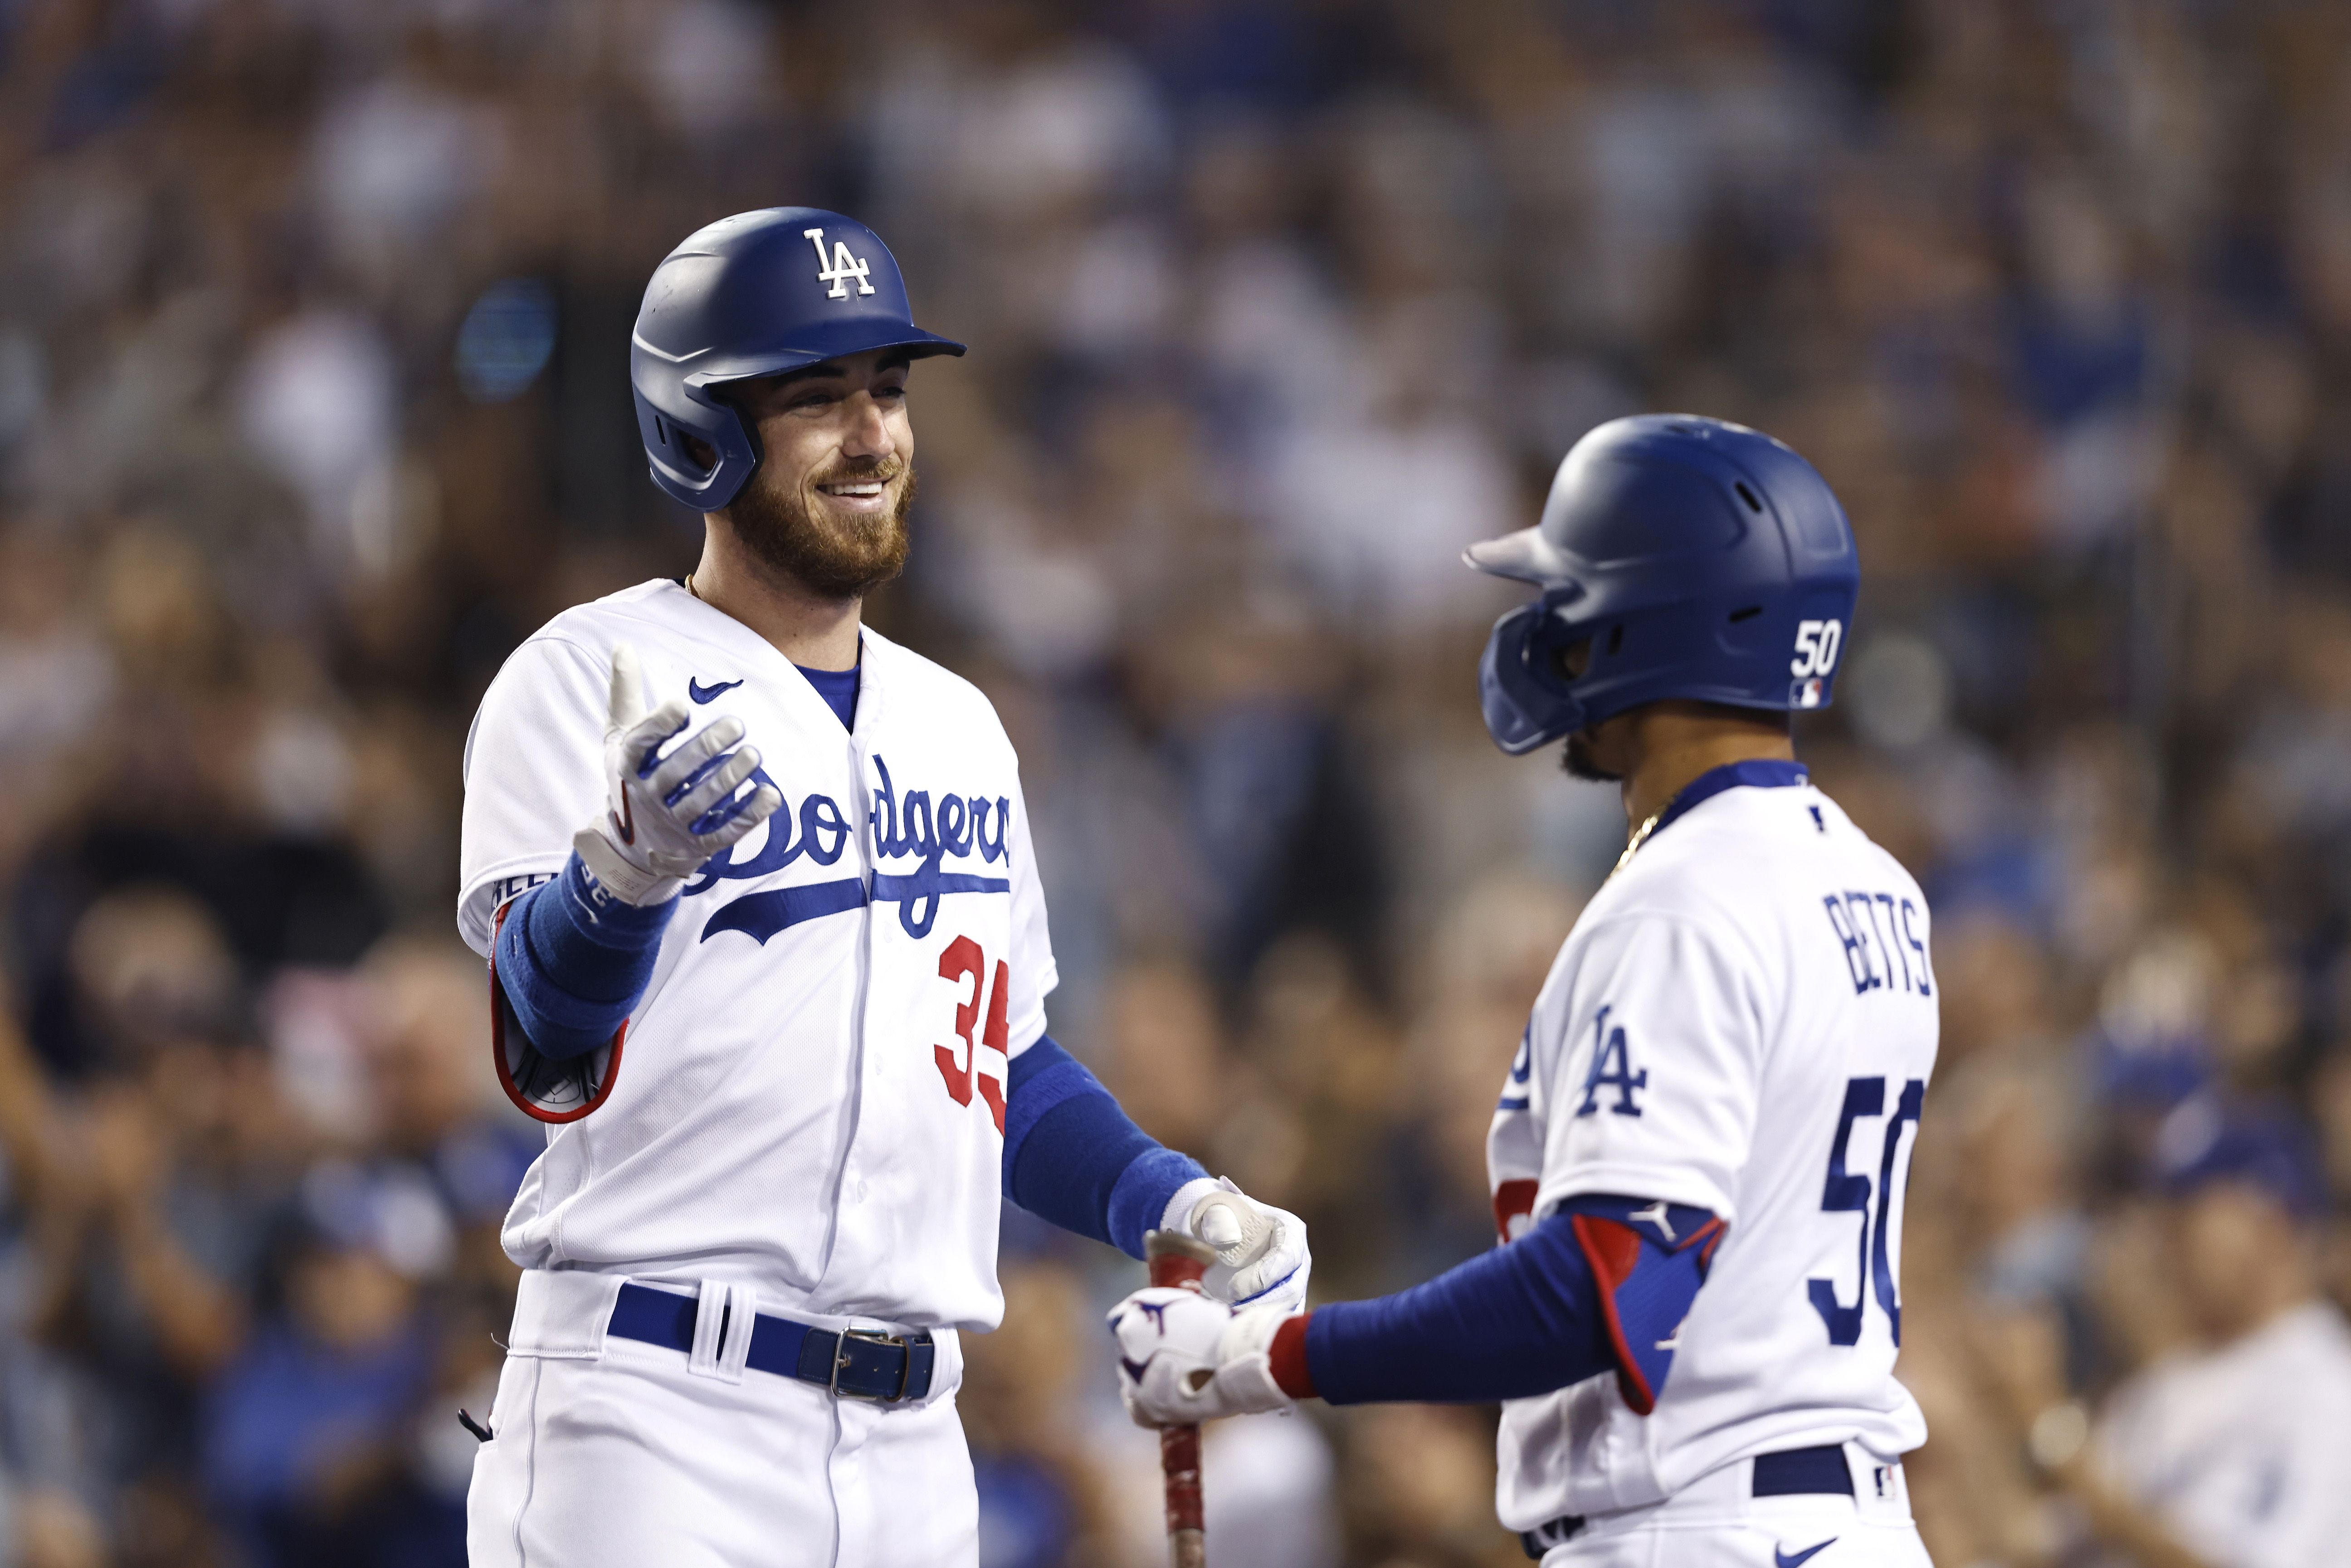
782,1007
1699,1155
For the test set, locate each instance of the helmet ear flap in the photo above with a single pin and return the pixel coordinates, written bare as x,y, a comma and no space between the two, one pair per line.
1525,698
704,415
678,444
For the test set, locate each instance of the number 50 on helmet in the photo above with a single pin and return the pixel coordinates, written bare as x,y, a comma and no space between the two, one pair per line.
1677,556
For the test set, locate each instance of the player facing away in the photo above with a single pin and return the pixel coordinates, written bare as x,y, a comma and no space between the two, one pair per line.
781,1008
1699,1154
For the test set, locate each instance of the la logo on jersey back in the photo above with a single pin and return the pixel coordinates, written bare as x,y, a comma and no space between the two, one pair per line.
839,268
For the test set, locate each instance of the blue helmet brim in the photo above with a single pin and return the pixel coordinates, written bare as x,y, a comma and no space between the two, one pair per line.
1525,555
833,340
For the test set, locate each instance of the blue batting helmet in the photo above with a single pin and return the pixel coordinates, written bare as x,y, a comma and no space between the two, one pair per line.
1678,557
755,295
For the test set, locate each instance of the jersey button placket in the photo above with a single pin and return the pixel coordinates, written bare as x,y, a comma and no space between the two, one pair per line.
854,1187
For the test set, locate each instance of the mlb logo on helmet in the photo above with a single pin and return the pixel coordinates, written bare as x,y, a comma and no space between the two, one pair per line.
1816,651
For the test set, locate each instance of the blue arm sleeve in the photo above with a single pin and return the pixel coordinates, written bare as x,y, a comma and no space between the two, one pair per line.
572,964
1518,1321
1600,1285
1070,1154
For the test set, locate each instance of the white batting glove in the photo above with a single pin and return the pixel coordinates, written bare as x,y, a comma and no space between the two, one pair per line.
669,814
1184,1356
1261,1254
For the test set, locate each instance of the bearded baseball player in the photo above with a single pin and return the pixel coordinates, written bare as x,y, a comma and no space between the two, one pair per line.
768,956
1699,1156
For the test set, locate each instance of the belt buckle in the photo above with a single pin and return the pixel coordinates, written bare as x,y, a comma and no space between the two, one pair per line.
841,1359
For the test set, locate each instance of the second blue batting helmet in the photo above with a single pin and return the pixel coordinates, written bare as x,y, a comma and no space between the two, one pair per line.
1678,557
755,295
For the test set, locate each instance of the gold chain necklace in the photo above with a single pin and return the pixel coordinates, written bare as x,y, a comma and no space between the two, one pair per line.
1641,835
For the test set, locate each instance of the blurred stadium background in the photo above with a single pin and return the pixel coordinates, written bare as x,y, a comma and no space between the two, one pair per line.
313,403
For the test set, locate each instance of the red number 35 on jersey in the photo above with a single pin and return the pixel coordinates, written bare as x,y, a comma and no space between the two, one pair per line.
964,959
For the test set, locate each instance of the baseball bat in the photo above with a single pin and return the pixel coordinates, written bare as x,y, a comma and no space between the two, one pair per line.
1177,1259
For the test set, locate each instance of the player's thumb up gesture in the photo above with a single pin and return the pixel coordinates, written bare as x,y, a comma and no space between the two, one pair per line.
669,812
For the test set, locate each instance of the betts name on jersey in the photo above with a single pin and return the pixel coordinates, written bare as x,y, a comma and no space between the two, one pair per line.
1743,1022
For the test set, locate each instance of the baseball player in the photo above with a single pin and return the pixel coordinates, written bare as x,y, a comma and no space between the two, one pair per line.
1699,1156
780,1004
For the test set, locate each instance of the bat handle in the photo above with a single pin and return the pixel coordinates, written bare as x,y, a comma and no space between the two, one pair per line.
1178,1260
1179,1463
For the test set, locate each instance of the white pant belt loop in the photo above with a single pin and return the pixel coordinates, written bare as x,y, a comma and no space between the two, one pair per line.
725,1315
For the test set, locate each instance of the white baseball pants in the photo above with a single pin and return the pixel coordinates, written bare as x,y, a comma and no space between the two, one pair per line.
611,1453
1716,1522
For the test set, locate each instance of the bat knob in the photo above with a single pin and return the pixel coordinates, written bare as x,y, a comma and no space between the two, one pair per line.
1176,1259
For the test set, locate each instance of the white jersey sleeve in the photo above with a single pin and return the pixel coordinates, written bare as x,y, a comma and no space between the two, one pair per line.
1656,1095
533,774
1034,972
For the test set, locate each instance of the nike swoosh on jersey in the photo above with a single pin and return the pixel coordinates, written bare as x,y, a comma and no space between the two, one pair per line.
1791,1559
702,694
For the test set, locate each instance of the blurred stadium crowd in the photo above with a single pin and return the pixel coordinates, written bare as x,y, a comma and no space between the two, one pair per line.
312,404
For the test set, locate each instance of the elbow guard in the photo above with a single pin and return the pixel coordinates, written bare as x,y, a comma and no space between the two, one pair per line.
1648,1260
544,1086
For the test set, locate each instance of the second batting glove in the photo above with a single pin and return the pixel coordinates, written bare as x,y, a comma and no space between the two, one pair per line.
1184,1356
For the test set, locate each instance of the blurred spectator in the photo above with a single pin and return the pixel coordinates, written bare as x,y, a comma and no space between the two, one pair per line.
1273,306
301,1428
2196,1458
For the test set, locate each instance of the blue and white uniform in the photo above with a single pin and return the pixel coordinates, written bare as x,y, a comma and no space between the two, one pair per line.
818,1070
800,1040
1741,1026
1699,1163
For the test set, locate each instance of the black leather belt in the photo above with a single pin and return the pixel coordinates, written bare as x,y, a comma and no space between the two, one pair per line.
1792,1473
852,1365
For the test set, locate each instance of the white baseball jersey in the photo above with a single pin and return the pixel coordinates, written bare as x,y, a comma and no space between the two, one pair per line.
2244,1450
1742,1019
809,1096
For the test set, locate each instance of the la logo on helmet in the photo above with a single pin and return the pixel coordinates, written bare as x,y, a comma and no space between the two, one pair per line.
839,269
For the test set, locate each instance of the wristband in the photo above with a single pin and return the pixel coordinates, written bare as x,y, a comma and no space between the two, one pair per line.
611,875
